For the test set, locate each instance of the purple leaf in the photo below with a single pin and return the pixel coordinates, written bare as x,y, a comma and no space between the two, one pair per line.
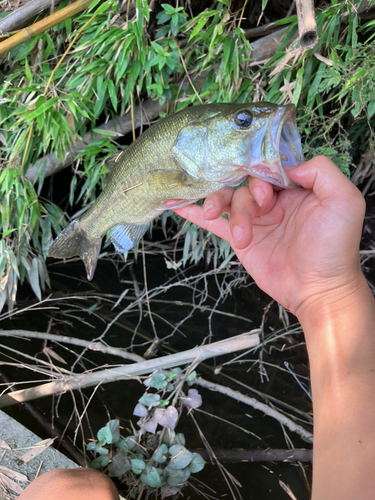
151,425
193,400
167,418
140,410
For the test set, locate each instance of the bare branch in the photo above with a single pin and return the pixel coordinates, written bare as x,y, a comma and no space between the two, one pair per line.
198,354
257,405
62,339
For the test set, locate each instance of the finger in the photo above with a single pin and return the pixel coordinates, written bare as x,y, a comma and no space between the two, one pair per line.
262,191
243,211
194,213
217,203
326,180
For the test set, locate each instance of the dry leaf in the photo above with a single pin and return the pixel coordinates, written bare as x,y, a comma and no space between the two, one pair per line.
10,485
12,474
4,445
37,449
53,354
328,62
287,490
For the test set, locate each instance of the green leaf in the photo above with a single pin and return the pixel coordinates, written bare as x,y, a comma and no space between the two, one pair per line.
112,94
298,86
157,381
181,457
177,477
201,22
101,461
91,446
33,277
160,454
197,464
105,434
114,426
120,464
41,107
151,477
371,109
6,233
150,399
137,465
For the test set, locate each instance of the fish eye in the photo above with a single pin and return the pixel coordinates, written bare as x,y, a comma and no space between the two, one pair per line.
243,119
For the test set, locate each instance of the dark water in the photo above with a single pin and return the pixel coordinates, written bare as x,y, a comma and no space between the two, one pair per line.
229,293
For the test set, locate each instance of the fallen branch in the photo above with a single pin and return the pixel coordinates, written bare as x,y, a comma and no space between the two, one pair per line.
236,456
80,381
63,339
20,17
257,405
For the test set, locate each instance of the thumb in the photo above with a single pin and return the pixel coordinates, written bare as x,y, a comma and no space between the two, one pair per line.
325,179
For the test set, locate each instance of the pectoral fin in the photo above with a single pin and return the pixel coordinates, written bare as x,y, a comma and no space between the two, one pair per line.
125,236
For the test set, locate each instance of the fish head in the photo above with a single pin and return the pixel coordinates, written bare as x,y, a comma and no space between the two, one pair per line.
236,140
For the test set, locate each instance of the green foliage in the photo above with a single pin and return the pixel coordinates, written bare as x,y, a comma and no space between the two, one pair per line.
165,464
26,232
113,62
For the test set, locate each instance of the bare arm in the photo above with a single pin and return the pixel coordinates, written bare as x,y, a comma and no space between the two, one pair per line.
301,248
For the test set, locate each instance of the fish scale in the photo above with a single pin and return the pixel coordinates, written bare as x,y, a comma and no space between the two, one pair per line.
184,157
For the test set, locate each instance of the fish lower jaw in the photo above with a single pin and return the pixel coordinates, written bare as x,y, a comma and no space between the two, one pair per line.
272,173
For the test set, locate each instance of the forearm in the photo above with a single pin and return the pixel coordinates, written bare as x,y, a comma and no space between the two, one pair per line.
340,337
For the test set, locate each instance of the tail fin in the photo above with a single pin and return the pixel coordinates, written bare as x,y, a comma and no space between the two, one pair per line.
75,241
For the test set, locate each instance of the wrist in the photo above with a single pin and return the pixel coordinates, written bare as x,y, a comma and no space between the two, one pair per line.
327,307
339,328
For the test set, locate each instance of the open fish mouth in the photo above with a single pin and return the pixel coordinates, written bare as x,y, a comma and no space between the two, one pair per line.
278,145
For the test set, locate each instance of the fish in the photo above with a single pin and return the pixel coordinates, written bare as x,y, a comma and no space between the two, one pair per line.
177,161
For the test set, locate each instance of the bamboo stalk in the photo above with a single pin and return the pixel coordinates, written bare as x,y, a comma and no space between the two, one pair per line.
80,381
20,17
43,25
307,28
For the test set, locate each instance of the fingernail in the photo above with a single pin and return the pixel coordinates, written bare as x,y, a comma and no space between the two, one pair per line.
259,195
237,233
207,207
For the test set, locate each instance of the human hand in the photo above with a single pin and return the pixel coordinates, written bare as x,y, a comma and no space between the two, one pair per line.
300,246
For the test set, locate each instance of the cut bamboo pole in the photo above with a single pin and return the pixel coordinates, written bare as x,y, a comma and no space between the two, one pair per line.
43,25
307,28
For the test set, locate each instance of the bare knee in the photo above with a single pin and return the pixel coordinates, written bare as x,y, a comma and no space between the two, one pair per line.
71,484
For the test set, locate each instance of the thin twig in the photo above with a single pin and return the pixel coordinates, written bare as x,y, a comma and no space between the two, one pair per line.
292,426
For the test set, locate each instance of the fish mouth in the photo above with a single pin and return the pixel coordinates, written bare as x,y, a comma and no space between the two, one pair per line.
277,146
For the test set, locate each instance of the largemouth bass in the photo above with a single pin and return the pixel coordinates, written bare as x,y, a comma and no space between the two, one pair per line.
179,160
